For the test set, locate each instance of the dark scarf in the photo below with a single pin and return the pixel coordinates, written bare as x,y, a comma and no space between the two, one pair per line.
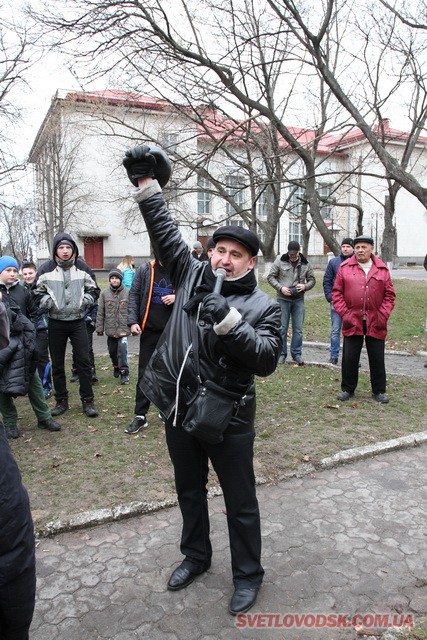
242,286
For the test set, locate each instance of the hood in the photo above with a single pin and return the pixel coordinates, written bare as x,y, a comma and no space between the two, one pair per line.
64,237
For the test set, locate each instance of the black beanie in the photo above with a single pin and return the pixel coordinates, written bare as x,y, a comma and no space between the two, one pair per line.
347,241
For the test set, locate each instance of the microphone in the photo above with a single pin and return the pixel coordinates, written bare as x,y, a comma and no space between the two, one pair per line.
220,275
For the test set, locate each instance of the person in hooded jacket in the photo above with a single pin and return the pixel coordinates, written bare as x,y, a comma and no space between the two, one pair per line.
291,275
233,336
66,288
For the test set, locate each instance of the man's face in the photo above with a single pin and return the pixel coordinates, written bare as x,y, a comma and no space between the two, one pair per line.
233,257
9,275
346,249
293,257
64,251
28,274
363,251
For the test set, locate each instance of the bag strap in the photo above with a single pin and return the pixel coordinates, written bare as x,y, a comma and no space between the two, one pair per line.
195,341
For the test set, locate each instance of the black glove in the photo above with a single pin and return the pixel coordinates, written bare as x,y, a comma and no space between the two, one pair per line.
215,305
145,161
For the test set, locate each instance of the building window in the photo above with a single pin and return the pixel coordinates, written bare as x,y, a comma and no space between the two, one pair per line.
324,191
204,197
169,141
295,231
235,188
262,212
296,204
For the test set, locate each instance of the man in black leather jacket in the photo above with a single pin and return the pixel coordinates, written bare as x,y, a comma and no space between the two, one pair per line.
238,335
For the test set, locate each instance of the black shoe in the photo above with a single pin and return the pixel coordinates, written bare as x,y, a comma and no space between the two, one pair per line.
183,576
137,424
243,600
11,432
381,397
89,408
299,361
74,376
116,372
333,360
61,407
344,395
50,425
282,359
124,378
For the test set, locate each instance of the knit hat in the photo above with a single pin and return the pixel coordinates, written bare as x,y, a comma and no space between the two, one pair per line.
117,273
293,247
245,237
347,241
8,261
197,245
366,239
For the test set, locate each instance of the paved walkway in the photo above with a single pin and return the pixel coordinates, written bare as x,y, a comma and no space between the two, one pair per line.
343,542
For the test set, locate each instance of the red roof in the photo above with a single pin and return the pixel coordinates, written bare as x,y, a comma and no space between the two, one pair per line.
116,97
216,127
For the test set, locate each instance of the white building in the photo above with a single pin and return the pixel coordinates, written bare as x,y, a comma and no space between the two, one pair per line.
81,185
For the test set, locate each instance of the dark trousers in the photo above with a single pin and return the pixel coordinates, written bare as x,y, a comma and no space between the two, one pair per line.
350,363
90,331
147,345
232,460
17,599
59,332
118,351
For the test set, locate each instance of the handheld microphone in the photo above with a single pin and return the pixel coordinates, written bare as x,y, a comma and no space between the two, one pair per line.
220,275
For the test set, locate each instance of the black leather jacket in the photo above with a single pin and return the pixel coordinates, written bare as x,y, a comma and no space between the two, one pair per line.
232,360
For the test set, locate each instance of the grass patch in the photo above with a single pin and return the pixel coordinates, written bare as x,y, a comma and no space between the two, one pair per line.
92,463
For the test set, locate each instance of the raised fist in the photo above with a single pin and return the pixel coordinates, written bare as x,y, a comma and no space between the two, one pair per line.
146,160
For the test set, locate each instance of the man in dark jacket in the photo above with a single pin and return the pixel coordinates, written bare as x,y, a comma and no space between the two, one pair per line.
236,336
66,288
19,360
17,548
150,304
328,283
363,295
291,275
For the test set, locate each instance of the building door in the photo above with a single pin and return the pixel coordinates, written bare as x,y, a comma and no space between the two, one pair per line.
94,252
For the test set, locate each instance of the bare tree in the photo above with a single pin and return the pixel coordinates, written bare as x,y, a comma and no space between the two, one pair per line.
260,60
15,60
63,192
18,227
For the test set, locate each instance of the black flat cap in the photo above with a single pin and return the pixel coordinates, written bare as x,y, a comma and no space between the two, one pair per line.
247,238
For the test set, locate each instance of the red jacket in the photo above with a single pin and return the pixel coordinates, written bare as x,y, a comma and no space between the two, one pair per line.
356,296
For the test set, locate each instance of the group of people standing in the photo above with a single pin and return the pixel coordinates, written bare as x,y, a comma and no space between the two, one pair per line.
359,288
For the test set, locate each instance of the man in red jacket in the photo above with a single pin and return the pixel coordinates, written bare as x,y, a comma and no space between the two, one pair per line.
363,295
